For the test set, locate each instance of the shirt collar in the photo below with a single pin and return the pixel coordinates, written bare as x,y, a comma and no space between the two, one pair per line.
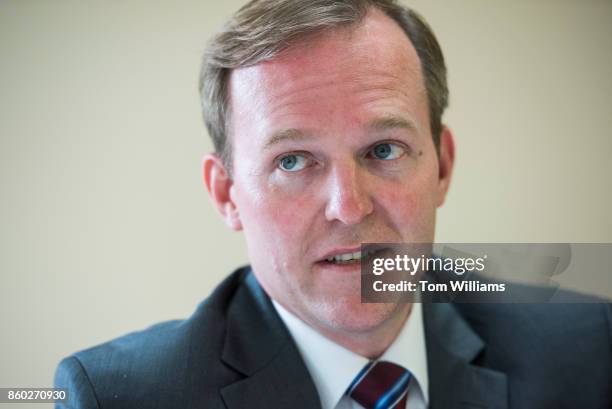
333,367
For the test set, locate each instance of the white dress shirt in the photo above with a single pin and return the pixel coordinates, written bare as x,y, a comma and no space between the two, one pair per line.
333,367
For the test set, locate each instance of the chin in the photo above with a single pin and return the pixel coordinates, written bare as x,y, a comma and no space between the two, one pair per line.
354,317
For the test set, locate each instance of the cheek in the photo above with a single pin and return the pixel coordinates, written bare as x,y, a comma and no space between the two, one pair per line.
411,204
403,206
276,215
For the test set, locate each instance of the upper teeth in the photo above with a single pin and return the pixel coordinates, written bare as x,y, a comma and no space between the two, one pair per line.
346,256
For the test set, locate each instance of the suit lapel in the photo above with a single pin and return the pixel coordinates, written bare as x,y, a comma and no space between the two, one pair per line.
455,381
258,345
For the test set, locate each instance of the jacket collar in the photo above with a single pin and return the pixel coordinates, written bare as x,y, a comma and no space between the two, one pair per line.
454,378
258,345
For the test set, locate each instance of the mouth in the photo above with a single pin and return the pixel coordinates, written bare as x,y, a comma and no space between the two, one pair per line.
345,257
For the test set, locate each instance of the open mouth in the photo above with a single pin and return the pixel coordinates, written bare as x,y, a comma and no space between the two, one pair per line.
349,258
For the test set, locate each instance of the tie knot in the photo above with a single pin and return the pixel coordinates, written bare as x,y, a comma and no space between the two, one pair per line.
380,385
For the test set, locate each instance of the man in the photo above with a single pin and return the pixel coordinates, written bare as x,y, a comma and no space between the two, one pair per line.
326,120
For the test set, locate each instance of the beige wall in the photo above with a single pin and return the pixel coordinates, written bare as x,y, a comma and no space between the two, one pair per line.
106,228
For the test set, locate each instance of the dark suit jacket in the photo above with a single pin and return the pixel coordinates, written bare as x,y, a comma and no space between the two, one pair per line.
234,352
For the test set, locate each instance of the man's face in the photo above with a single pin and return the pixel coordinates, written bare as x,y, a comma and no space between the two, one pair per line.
331,148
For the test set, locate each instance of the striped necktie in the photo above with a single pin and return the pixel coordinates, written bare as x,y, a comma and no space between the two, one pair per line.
381,385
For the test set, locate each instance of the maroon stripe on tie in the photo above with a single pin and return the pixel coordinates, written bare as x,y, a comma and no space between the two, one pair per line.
378,380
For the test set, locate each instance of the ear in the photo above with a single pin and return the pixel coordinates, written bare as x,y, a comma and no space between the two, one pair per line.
446,161
221,190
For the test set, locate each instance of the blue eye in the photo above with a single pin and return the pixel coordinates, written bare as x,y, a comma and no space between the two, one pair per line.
387,151
292,163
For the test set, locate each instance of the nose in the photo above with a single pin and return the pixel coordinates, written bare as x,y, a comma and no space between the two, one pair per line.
349,198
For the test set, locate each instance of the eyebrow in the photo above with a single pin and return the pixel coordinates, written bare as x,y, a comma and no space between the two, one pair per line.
391,122
378,124
291,134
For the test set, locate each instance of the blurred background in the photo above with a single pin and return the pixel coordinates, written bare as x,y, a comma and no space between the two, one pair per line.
105,226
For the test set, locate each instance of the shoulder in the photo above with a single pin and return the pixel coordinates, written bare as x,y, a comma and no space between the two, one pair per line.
139,365
542,345
565,321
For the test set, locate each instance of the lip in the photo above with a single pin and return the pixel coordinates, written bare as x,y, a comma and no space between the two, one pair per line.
340,250
326,267
374,248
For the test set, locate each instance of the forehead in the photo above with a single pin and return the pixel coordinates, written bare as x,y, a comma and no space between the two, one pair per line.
371,61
